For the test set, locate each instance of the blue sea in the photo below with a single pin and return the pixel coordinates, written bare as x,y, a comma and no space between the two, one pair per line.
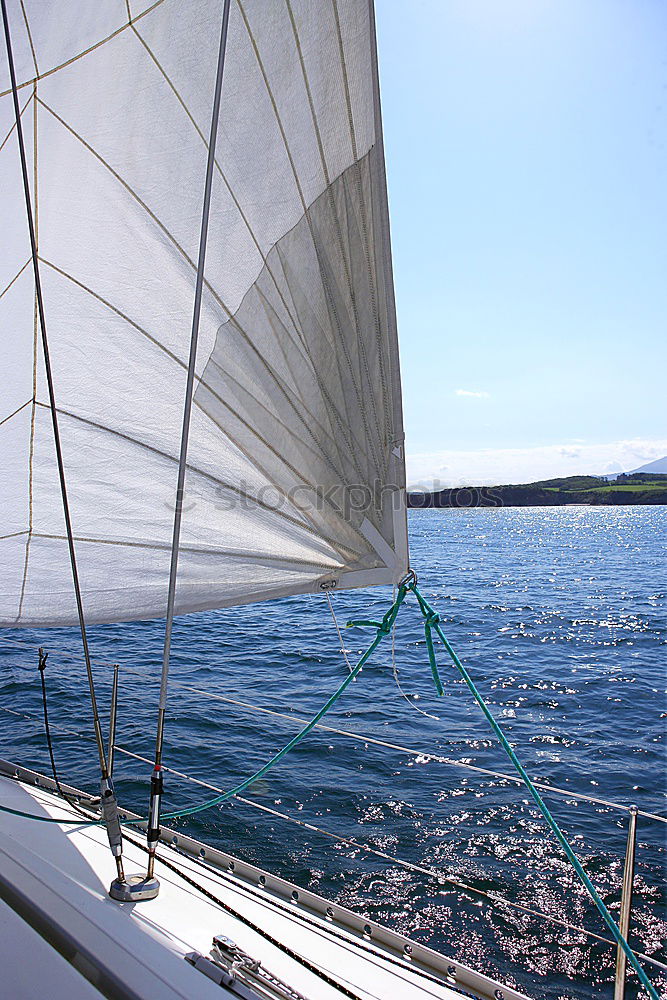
559,614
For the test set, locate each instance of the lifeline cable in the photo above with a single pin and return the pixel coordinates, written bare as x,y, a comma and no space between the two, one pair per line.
383,628
431,621
215,899
493,898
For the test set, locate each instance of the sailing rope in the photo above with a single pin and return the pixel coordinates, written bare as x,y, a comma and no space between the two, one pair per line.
394,671
383,628
432,622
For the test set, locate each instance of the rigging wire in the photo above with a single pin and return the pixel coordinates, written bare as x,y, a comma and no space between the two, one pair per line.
52,398
108,798
153,832
431,621
494,898
294,955
341,643
382,628
366,739
429,755
47,729
314,969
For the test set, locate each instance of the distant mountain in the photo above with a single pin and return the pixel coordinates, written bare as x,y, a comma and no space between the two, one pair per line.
658,467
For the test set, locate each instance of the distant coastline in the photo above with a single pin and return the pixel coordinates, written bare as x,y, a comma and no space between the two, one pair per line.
638,488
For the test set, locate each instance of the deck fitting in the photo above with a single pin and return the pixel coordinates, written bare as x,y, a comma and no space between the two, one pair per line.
135,889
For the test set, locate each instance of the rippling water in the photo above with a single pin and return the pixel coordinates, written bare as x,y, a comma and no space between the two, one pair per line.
560,616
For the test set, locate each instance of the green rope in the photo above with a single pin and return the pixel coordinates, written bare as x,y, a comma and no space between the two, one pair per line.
432,621
50,819
383,628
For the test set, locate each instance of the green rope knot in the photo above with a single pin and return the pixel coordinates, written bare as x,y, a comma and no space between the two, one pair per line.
432,618
382,628
387,623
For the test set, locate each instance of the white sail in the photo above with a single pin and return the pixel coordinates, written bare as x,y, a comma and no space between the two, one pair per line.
295,475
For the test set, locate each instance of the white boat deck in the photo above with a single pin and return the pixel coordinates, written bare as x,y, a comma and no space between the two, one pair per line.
61,875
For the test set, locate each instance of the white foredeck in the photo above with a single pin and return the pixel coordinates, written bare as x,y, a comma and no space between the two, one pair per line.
65,872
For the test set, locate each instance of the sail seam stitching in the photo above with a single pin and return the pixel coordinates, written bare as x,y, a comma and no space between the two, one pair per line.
320,145
335,215
85,52
272,99
252,235
196,550
273,374
379,199
232,317
15,278
131,23
273,416
299,342
32,47
297,182
345,425
331,406
205,475
9,134
244,218
306,210
16,411
35,334
326,284
364,222
335,545
353,140
298,186
274,320
134,194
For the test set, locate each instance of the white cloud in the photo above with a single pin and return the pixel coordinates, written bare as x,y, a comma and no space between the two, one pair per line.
473,395
493,467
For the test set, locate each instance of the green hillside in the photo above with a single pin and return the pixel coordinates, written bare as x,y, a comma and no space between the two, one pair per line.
640,488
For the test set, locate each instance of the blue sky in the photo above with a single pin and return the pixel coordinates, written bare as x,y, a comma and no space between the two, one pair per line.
526,146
